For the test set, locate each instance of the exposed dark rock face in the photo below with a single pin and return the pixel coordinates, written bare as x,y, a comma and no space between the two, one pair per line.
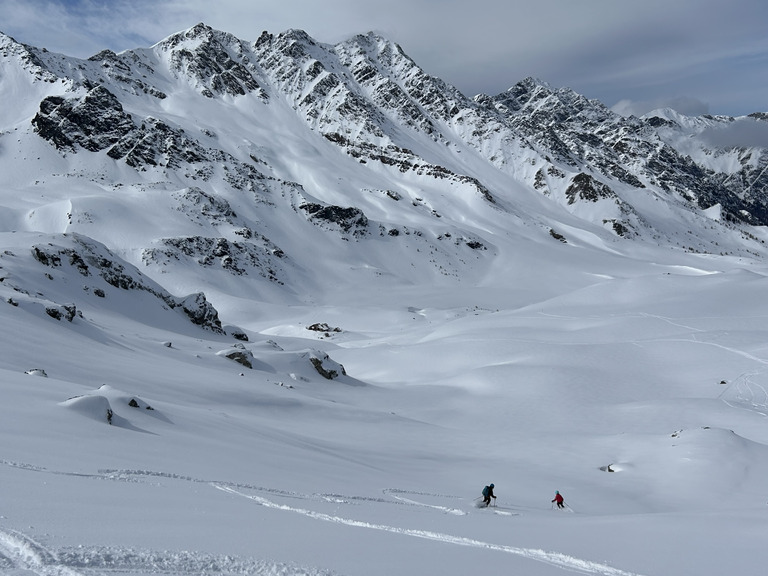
155,142
585,187
87,255
326,367
574,131
347,219
94,121
213,58
119,69
240,354
200,311
238,258
66,312
198,202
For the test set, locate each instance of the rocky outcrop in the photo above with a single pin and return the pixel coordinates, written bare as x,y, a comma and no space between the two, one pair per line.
238,258
89,257
585,188
240,354
325,366
94,121
349,220
156,143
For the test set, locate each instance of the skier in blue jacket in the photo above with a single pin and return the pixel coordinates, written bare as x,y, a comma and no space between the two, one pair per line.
488,494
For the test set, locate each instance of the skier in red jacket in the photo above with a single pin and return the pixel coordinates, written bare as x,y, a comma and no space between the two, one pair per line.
559,499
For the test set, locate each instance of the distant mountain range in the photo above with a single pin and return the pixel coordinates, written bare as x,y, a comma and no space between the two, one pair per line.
292,163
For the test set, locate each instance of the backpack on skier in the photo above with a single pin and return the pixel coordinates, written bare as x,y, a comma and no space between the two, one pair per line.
488,494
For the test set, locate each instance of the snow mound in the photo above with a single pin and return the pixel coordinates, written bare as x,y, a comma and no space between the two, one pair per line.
104,403
687,463
95,407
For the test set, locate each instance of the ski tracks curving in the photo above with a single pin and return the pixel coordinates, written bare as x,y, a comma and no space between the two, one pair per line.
557,559
398,495
20,554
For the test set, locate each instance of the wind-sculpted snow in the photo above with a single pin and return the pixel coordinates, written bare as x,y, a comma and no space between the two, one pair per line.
20,554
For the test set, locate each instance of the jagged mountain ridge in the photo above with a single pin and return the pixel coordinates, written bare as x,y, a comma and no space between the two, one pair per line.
634,151
250,144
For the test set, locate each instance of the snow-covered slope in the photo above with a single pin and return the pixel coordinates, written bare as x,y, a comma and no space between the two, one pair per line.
282,307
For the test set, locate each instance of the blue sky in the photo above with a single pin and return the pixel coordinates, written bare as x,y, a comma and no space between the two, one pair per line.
698,56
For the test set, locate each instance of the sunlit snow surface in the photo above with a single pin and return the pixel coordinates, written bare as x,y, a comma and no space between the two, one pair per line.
660,375
629,374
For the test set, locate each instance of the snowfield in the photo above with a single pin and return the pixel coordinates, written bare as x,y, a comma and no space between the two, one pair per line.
212,468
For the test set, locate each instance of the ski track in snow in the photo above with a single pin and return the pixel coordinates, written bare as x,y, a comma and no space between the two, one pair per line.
553,558
21,554
746,393
396,495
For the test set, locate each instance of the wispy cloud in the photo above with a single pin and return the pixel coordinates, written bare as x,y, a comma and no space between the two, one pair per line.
683,104
742,133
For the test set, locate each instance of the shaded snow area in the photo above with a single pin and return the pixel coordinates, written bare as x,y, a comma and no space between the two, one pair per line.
280,308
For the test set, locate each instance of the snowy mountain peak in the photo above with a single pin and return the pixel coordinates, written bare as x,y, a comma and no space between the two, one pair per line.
14,53
419,159
217,61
